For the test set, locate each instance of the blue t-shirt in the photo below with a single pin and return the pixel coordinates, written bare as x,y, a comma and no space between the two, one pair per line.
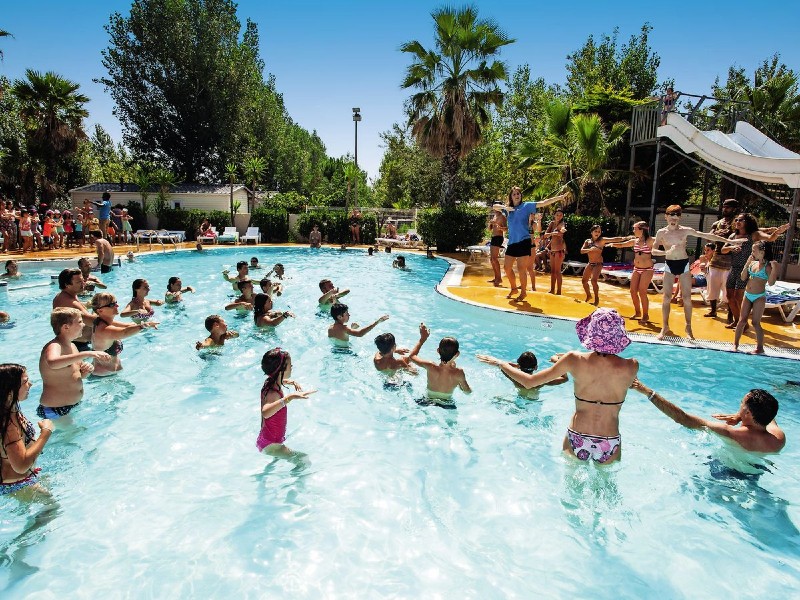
104,210
518,221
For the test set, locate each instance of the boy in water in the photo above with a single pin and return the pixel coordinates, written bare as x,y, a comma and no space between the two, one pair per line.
385,360
254,263
218,330
269,288
445,377
341,331
330,294
242,274
89,281
245,301
399,263
62,366
527,363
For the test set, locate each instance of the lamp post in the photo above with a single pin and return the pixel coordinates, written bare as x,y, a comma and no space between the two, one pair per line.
356,119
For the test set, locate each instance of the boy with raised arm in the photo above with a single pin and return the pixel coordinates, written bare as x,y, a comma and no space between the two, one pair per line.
242,274
385,360
757,429
245,301
341,331
62,367
330,294
218,331
445,377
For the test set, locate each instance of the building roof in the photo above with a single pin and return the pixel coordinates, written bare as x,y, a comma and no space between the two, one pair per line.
214,188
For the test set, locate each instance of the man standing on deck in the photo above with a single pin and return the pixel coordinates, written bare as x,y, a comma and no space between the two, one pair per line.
104,213
757,430
720,264
70,282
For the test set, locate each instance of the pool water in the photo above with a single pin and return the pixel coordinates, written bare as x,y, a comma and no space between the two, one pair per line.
160,492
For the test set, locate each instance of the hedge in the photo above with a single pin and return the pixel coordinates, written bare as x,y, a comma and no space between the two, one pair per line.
188,221
273,223
335,226
449,228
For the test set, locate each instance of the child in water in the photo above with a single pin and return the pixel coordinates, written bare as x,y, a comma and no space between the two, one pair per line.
341,331
277,366
445,377
527,363
218,330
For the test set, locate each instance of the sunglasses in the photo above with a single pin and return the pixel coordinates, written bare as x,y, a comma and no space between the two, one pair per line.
112,305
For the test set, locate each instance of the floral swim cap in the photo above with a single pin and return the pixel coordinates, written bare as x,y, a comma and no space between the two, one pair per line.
603,331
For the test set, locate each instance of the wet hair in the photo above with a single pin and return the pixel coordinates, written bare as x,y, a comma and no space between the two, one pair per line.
10,385
240,264
212,320
644,228
63,316
264,283
83,260
762,405
278,266
102,299
243,284
370,250
260,305
10,262
254,259
323,283
385,342
673,208
97,234
274,363
137,283
401,261
511,192
338,309
448,348
65,277
527,362
172,281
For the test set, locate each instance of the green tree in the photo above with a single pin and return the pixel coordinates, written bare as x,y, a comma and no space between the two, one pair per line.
230,171
254,167
457,88
408,176
3,33
182,82
109,161
143,180
53,112
632,67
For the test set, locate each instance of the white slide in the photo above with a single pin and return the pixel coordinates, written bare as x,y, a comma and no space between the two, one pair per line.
745,153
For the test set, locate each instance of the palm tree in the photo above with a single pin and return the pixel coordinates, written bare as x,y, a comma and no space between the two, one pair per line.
254,168
578,148
53,111
457,87
351,175
143,181
230,171
4,33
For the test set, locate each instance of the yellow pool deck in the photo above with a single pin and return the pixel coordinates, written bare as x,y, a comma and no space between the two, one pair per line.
475,287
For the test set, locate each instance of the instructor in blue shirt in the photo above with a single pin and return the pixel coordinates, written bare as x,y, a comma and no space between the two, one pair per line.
518,214
104,213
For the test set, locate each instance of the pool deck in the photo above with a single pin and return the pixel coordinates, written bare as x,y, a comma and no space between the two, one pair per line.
475,287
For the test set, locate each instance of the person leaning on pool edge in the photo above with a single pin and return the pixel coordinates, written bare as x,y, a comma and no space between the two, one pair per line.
757,429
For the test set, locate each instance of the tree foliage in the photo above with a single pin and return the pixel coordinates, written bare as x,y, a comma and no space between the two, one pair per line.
457,86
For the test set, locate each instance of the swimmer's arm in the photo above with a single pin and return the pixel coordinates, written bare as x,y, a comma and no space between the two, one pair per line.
558,380
422,362
424,334
129,311
532,380
680,416
239,305
365,330
56,360
463,384
22,458
97,282
127,330
227,277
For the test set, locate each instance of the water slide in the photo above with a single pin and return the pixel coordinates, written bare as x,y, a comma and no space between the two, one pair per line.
745,153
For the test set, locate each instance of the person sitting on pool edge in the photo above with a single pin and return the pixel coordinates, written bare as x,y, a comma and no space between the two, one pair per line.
242,274
385,360
443,378
757,431
218,329
330,294
527,363
341,331
245,300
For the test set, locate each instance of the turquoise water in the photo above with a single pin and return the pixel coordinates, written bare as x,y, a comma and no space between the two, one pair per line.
160,491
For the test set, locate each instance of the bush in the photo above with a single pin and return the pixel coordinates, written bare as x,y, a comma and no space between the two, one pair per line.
188,221
139,218
335,226
449,228
272,222
579,230
291,202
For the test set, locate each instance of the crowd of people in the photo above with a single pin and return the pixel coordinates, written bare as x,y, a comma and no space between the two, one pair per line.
733,246
36,228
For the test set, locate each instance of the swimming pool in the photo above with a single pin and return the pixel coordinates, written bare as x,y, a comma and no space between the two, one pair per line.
161,492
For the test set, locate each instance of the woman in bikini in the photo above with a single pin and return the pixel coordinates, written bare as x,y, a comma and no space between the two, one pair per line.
746,232
277,366
601,381
140,307
642,269
20,447
497,226
758,273
355,226
558,249
593,247
108,333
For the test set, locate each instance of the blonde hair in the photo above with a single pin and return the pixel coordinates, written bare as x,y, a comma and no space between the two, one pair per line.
102,299
63,316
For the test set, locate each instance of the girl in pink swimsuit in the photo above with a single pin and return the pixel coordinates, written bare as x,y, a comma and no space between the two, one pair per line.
277,365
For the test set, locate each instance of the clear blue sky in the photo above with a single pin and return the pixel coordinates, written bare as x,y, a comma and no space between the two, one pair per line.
331,56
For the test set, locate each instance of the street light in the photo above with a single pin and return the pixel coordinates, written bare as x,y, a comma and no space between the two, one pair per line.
356,119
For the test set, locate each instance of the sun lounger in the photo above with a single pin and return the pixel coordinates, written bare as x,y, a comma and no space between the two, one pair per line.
160,236
573,267
253,233
786,298
208,239
230,235
479,251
